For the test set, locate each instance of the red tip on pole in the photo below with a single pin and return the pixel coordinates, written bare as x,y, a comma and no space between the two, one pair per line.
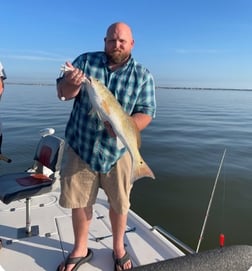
221,240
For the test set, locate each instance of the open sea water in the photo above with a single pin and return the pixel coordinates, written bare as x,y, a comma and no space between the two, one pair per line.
183,145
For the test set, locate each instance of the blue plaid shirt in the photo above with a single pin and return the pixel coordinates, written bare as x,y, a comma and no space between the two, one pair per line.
132,85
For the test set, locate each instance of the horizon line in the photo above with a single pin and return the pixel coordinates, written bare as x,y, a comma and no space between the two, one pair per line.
157,87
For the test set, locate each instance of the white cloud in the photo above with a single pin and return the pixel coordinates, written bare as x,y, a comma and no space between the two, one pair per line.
32,55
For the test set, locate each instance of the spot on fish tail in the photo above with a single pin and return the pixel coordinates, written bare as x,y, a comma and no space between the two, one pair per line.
140,170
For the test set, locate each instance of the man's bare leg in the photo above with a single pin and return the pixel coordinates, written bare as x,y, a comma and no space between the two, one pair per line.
118,223
81,219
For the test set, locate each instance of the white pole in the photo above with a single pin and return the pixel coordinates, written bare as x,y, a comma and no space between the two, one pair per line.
210,202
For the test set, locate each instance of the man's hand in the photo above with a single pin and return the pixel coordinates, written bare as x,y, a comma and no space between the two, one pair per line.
69,86
73,76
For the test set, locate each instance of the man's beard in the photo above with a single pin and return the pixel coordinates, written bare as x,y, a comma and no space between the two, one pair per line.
117,57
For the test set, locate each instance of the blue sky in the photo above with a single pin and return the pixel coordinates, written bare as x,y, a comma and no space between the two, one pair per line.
189,43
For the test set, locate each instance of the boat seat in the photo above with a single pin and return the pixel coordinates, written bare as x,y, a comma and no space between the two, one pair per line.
35,181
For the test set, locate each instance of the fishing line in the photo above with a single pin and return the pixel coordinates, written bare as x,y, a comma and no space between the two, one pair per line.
60,238
210,202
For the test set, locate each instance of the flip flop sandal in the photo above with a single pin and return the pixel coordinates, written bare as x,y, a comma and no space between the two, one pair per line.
77,261
121,261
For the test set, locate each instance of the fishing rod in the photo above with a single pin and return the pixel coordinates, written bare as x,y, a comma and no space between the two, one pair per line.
4,158
43,132
210,202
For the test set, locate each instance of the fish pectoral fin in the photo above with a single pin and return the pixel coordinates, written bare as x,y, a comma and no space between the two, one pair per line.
119,143
94,112
91,112
99,115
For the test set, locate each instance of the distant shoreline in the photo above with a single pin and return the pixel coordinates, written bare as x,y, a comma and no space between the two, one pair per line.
158,87
204,88
30,84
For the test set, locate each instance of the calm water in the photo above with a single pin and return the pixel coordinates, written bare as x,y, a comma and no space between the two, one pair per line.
183,146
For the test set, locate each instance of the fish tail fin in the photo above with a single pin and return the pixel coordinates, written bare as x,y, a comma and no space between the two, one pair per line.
140,170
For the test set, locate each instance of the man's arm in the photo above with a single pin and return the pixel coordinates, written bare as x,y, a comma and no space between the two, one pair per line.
1,86
2,78
142,120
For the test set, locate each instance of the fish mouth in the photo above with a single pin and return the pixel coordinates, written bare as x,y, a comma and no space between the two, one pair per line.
88,79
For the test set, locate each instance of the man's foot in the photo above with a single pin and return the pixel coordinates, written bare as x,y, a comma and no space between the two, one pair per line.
76,262
123,263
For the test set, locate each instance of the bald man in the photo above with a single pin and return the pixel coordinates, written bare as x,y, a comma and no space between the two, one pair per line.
93,158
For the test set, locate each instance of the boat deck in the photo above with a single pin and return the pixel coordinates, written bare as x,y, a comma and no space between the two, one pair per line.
55,239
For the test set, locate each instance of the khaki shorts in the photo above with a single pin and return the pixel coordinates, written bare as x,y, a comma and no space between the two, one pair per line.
80,184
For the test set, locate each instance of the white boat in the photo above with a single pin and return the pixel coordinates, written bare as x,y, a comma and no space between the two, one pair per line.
36,233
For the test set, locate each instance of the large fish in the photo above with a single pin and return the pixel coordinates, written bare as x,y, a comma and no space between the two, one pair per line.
109,110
